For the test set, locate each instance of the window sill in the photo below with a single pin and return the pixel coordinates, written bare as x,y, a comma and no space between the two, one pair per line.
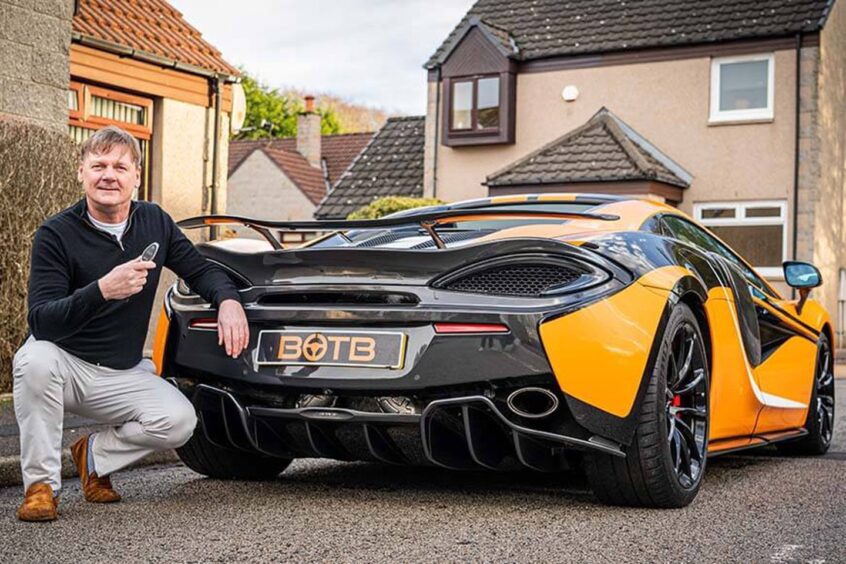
716,122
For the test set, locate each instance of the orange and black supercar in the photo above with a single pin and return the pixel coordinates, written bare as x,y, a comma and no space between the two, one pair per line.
540,332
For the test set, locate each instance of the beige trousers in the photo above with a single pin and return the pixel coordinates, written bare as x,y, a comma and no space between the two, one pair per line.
148,413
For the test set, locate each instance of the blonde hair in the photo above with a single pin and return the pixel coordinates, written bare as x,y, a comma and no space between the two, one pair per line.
106,139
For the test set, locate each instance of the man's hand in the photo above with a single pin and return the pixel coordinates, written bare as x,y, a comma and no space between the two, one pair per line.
233,331
125,279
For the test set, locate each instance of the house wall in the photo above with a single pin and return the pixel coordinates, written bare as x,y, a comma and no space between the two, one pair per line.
829,206
181,180
259,188
34,42
666,102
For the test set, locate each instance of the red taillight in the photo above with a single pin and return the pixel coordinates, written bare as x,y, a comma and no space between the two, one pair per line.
203,323
459,328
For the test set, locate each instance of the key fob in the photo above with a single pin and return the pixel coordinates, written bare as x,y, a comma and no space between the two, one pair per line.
150,252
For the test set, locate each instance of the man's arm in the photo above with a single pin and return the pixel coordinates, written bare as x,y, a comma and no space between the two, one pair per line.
55,313
214,285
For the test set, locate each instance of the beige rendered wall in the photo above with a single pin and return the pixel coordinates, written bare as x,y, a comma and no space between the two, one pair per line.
260,189
181,160
830,210
666,102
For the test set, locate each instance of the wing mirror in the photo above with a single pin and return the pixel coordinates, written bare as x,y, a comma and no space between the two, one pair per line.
803,276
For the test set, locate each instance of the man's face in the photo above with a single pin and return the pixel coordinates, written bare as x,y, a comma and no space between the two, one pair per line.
109,178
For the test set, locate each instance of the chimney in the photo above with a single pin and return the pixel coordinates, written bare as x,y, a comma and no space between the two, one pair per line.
308,133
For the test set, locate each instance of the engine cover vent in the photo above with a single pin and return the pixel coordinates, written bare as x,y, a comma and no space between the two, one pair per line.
519,279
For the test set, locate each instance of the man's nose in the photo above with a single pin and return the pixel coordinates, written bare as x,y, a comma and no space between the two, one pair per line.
108,173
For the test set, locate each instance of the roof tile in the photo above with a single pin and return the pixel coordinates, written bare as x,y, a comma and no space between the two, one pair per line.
153,26
390,165
603,149
548,28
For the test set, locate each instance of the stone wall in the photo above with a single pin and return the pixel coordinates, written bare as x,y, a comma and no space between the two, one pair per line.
809,150
34,41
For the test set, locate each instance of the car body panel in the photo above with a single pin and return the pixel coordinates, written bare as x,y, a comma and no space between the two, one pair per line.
596,346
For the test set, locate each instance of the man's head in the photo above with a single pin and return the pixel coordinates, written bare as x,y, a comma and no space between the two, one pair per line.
110,170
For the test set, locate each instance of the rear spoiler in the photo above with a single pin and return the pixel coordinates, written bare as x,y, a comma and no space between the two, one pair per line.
428,221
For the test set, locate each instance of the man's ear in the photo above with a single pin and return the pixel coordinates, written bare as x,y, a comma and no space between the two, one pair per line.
79,173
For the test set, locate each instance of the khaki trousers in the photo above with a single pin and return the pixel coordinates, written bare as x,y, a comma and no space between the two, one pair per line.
148,413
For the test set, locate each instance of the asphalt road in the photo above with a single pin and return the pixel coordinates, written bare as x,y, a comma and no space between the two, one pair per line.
752,508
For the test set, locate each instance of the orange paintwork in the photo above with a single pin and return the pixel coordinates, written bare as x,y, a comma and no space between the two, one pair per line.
605,372
734,405
160,340
788,373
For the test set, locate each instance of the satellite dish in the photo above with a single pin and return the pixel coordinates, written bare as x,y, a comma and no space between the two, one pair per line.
239,108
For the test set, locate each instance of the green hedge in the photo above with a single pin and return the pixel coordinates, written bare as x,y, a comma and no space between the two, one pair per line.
37,179
391,204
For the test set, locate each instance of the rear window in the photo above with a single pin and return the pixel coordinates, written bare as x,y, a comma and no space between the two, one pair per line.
453,234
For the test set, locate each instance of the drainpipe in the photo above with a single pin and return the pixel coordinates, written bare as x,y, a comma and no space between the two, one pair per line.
437,135
796,151
214,84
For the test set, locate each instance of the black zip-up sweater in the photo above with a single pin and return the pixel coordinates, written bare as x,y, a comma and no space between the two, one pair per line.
69,256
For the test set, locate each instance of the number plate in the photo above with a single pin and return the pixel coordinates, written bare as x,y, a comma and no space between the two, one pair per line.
371,349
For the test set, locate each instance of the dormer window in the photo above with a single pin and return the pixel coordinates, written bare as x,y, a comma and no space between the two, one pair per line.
475,104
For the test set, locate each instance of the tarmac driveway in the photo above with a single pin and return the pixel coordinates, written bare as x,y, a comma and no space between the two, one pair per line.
752,508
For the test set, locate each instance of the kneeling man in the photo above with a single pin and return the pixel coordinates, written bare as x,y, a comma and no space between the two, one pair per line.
90,299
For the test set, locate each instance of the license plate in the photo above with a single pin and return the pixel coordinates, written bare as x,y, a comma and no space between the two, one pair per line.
371,349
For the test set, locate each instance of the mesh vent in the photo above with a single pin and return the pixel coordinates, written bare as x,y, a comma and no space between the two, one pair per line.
525,280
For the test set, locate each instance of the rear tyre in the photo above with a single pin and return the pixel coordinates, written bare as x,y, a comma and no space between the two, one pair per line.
666,461
204,457
820,420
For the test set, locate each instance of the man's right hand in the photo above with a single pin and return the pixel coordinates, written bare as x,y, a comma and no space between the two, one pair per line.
125,279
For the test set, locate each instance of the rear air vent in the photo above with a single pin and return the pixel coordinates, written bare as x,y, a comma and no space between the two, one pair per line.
339,299
524,277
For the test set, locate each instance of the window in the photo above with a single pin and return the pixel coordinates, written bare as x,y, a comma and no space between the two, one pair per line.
742,88
91,108
475,104
756,230
689,233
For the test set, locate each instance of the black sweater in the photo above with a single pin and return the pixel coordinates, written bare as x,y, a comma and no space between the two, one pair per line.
69,255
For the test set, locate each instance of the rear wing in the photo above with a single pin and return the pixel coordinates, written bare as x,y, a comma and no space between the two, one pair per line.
428,221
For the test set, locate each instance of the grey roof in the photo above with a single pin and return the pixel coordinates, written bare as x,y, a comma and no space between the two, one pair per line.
548,28
605,149
390,165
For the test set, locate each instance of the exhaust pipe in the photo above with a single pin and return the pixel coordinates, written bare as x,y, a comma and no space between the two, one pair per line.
532,403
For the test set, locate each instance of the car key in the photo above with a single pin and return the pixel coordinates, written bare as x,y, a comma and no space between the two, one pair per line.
150,252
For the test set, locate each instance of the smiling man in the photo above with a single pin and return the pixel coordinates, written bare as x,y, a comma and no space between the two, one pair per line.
90,299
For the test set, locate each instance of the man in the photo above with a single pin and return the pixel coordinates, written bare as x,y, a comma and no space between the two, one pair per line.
90,298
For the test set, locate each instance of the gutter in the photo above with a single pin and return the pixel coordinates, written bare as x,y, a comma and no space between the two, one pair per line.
214,79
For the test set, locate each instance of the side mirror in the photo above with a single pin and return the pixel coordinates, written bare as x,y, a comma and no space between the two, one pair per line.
803,276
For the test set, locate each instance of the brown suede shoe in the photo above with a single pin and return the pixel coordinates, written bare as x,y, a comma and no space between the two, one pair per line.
94,488
38,504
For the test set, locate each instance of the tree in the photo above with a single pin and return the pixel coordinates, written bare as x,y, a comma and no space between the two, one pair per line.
391,204
271,113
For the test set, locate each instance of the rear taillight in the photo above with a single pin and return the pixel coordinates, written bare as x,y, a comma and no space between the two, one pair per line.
465,328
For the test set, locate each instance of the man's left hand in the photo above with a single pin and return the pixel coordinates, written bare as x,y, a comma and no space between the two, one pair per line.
233,331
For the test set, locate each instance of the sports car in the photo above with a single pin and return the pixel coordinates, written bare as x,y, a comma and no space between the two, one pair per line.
548,332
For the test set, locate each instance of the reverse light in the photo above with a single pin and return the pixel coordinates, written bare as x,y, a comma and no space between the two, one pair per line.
203,323
465,328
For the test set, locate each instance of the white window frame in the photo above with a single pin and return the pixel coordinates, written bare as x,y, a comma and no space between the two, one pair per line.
756,114
740,219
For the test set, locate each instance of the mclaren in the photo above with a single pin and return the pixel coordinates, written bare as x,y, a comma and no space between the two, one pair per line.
545,332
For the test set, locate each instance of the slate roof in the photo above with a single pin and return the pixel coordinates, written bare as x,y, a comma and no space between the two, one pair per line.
390,165
604,149
548,28
337,150
153,26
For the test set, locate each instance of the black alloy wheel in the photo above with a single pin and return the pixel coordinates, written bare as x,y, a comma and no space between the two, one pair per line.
666,459
687,405
820,420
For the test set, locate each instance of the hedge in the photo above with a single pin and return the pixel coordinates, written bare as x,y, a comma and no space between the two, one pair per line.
391,204
37,179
